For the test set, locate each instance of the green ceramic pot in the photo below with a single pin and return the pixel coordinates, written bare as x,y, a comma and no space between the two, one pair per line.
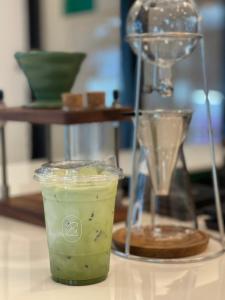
49,74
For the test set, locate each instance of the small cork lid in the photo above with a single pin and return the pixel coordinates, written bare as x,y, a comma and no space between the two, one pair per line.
72,101
96,100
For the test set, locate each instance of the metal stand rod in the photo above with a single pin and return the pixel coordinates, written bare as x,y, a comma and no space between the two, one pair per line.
212,147
188,186
153,209
5,189
67,143
48,142
140,184
134,152
116,143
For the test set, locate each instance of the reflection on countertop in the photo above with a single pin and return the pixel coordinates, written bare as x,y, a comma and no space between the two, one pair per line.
24,274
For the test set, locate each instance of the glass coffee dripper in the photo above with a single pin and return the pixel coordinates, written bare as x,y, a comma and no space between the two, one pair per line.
163,33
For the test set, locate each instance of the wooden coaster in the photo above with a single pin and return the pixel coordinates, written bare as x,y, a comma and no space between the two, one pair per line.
166,242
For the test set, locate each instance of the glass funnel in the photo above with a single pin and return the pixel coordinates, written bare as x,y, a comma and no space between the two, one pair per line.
161,134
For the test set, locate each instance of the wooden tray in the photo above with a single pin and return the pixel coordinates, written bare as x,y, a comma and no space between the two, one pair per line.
27,208
144,243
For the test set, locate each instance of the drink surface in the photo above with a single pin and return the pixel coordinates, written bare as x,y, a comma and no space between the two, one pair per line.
79,218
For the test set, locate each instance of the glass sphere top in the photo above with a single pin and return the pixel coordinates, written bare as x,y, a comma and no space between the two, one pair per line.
168,29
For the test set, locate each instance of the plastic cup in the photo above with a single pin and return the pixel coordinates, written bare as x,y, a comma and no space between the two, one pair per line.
79,200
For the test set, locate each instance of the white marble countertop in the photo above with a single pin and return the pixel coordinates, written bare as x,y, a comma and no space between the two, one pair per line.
25,274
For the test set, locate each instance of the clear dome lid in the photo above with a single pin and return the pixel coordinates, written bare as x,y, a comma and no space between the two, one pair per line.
168,29
77,172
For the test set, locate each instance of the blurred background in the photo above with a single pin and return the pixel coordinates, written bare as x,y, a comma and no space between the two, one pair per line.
97,27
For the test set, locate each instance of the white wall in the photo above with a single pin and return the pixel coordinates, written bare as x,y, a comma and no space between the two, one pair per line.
13,37
79,32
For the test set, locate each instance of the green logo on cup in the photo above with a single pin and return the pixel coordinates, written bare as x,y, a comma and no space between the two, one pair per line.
72,228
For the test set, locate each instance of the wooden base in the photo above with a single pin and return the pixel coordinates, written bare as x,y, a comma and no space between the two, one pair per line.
182,242
29,208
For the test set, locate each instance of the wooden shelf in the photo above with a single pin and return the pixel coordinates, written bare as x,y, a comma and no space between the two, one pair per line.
58,116
29,208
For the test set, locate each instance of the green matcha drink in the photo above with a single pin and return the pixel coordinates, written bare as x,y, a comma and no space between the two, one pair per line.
79,199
